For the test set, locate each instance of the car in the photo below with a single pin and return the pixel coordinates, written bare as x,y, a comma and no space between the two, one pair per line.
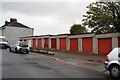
3,42
112,63
19,47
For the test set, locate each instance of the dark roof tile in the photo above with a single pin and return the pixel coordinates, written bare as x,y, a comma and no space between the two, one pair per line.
17,24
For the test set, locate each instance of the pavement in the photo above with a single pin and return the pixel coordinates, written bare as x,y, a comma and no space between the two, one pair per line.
91,61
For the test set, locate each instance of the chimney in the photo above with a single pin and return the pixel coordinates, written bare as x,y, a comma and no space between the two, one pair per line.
13,19
6,22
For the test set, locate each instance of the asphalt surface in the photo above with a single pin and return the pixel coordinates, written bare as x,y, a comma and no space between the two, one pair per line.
16,65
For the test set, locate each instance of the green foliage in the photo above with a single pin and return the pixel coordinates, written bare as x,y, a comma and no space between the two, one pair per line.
77,29
103,17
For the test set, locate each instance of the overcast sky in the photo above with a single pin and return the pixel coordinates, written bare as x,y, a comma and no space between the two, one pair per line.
53,17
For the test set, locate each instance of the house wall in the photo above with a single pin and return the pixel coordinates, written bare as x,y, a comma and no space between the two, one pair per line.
14,33
29,42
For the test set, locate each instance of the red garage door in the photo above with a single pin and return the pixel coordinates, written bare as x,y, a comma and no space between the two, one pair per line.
39,43
34,43
104,45
46,42
119,42
74,44
53,43
63,43
87,44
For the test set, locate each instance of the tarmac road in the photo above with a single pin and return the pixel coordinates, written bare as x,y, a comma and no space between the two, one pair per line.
35,66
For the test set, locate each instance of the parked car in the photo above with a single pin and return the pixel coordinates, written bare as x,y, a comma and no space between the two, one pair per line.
112,63
19,46
3,42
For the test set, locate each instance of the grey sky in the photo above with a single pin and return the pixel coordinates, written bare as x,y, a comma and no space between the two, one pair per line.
46,17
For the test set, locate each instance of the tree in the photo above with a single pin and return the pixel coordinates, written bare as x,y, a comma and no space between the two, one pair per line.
103,17
77,29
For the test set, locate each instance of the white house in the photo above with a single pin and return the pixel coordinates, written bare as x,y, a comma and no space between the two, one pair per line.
13,30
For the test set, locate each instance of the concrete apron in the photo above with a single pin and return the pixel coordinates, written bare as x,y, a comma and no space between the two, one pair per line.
97,65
